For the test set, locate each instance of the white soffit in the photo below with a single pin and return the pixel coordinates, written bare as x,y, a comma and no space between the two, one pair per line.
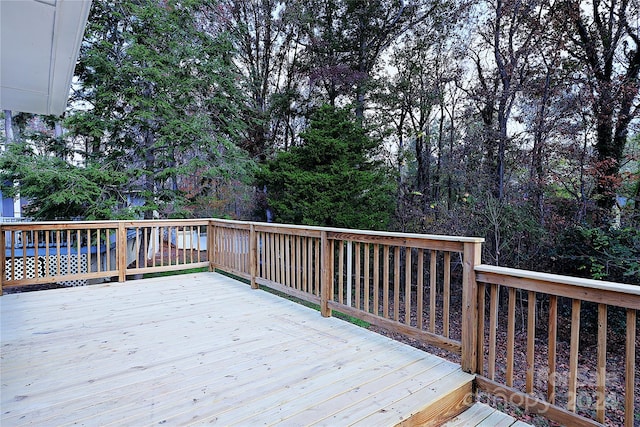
39,45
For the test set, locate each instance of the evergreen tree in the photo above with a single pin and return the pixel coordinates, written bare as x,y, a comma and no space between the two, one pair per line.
331,179
56,189
161,98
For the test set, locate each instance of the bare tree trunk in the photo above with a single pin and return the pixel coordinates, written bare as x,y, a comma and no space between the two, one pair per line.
8,126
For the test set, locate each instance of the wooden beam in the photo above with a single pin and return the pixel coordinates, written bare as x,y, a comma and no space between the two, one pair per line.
533,404
326,281
253,256
394,326
616,294
471,258
121,245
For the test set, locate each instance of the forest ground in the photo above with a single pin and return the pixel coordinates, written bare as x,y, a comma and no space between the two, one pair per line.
587,367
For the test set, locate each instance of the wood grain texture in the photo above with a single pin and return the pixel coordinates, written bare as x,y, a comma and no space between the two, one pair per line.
200,348
534,405
630,368
610,293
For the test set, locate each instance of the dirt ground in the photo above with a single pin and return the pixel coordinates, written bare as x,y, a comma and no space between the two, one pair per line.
615,369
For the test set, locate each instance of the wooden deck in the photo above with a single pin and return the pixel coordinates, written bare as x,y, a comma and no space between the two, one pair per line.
481,415
203,348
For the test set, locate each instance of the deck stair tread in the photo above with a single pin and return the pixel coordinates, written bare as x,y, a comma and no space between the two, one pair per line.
203,348
482,415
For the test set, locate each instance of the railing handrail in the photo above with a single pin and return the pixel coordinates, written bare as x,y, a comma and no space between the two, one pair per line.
492,274
548,278
390,234
102,223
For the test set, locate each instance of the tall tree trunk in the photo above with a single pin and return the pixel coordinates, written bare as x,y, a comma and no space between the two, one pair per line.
8,126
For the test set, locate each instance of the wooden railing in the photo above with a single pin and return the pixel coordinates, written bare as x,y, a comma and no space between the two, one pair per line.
406,283
566,391
430,288
77,253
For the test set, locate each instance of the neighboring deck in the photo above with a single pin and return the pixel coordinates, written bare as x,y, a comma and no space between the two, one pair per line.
203,348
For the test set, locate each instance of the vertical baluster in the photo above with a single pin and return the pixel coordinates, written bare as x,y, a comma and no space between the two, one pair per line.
264,249
358,277
145,241
47,254
341,272
308,256
12,234
573,355
99,250
36,255
432,291
493,329
481,316
553,332
367,249
259,253
266,260
281,261
376,279
396,283
601,373
349,277
420,289
198,245
299,263
304,262
24,255
90,248
385,282
246,250
407,286
107,241
531,338
274,258
318,269
511,328
330,293
138,244
78,250
630,368
288,261
185,241
68,252
161,243
446,297
192,242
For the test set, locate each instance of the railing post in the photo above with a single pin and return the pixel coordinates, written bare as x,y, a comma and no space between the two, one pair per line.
326,276
253,258
121,246
472,253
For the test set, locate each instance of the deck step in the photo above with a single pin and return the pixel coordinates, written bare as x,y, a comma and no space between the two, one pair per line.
482,415
449,398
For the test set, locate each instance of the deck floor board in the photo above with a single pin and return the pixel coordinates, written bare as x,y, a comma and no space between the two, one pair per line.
201,348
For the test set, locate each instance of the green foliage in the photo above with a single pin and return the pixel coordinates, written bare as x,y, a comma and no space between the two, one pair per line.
598,253
330,179
162,106
57,190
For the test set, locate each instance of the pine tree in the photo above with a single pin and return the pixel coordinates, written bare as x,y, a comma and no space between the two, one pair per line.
330,179
161,104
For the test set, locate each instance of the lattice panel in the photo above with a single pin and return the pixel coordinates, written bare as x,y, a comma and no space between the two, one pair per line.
68,265
20,268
